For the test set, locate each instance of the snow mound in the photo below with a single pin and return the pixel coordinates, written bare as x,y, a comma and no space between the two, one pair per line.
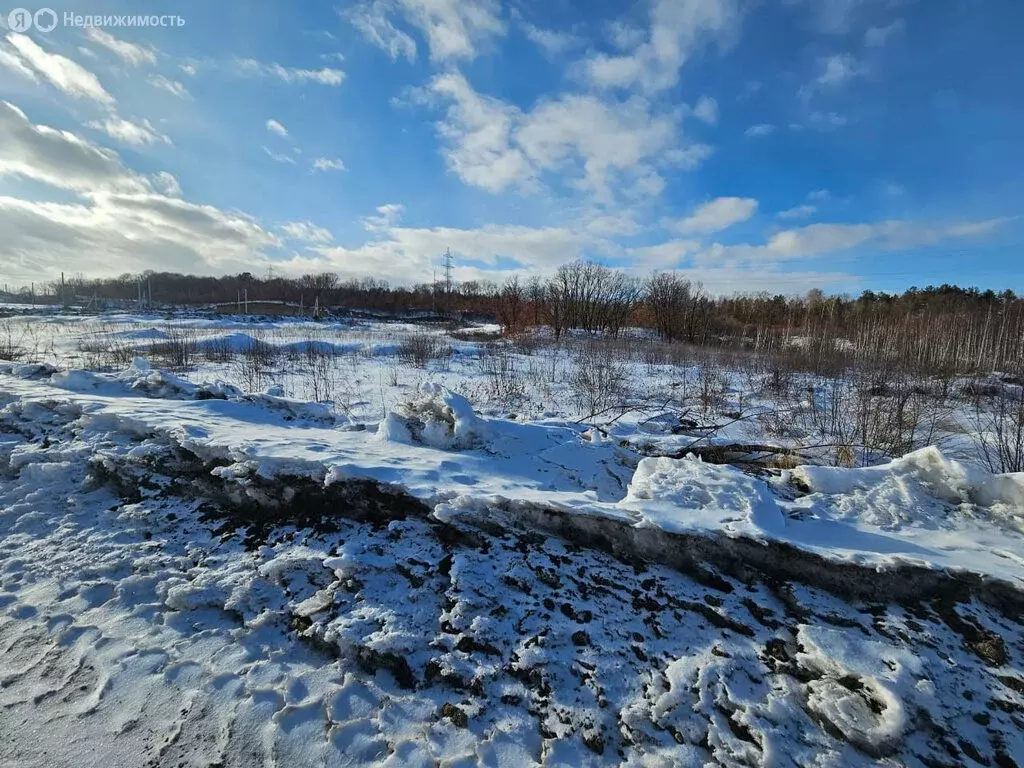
438,418
866,689
680,494
923,487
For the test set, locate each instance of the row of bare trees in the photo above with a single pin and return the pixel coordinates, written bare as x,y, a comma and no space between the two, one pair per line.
943,330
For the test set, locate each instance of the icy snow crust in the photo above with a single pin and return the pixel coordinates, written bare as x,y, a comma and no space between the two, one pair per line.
139,624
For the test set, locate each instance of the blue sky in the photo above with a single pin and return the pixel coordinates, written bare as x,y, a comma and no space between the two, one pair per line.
755,145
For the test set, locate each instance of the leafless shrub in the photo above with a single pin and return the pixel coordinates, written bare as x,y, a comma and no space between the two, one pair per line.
10,342
421,348
252,368
505,382
597,382
179,350
103,350
1000,430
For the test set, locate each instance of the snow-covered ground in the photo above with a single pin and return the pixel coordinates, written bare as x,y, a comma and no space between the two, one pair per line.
430,569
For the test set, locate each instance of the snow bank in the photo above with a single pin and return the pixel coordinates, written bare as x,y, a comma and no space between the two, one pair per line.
690,493
915,489
439,418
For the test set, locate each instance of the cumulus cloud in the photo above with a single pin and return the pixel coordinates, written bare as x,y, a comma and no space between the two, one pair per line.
799,212
406,254
677,28
275,127
328,164
306,231
454,29
595,145
59,158
836,71
388,215
120,222
24,54
817,240
551,42
761,129
716,215
114,233
371,20
706,110
139,133
130,53
166,183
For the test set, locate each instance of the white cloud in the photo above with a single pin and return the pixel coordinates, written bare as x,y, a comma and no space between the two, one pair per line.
112,234
706,110
478,132
171,86
167,184
819,194
12,61
553,43
877,37
407,255
677,29
799,212
189,69
761,129
307,232
662,256
275,127
388,215
716,215
836,71
328,164
817,240
59,158
278,157
625,36
593,145
130,53
63,73
371,19
454,29
137,134
120,225
324,76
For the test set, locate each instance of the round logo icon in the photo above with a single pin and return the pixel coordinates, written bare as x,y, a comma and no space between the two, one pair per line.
45,20
20,20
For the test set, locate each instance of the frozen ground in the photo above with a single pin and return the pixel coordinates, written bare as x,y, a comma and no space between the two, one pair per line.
194,575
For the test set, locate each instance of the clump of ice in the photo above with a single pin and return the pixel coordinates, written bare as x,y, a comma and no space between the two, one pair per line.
438,418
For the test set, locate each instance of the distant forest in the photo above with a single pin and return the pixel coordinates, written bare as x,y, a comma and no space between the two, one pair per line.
944,330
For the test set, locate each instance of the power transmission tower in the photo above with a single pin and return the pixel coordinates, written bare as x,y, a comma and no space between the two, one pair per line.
447,279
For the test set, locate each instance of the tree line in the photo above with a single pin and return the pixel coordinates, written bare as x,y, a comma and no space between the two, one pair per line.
945,329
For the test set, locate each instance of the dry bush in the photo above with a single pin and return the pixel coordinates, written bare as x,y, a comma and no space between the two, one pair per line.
505,382
598,382
1000,429
422,348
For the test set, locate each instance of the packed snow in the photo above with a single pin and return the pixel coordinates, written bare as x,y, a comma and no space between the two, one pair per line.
196,573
